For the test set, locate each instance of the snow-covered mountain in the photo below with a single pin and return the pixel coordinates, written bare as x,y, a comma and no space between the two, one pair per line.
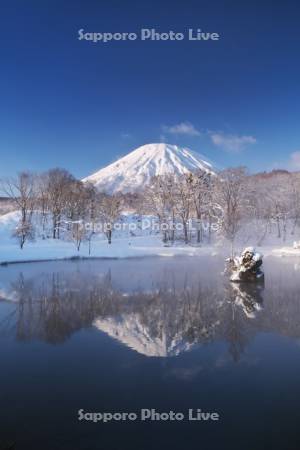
132,172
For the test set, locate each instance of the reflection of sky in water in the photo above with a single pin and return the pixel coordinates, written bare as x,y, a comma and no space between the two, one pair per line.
163,333
155,306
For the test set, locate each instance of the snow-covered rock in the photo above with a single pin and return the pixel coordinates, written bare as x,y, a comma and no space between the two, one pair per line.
132,172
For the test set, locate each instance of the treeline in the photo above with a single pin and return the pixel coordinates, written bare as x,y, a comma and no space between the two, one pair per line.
62,200
203,204
232,203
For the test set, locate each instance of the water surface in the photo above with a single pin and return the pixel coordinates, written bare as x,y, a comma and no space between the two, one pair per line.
169,334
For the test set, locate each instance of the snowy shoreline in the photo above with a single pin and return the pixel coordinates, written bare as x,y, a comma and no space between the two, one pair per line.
135,248
123,246
138,247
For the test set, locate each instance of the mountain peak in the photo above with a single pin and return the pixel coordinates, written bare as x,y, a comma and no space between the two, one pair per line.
132,172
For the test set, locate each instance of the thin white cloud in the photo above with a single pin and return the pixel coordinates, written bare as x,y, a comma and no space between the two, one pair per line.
231,142
125,135
294,161
185,128
163,138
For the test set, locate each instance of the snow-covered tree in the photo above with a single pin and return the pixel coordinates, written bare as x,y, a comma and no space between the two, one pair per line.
230,195
42,199
201,191
157,201
184,201
22,191
110,211
59,191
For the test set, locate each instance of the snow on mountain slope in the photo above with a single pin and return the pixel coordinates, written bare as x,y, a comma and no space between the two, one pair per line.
129,330
132,172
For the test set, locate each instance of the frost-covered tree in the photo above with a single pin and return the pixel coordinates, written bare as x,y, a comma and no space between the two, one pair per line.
77,201
78,233
177,199
277,200
42,199
230,195
110,211
201,191
22,191
157,201
184,201
59,186
295,201
169,189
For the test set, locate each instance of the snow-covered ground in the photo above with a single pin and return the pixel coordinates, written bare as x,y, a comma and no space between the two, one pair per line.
120,248
124,245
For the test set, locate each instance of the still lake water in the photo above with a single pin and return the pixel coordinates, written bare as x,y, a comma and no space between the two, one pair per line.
168,334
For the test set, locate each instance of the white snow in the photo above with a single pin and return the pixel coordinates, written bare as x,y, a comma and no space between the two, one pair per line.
135,170
124,245
129,330
48,249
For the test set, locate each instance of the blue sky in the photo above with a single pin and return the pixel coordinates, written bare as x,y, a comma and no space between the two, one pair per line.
80,105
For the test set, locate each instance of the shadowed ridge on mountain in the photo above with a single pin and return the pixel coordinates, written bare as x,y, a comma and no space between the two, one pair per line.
132,172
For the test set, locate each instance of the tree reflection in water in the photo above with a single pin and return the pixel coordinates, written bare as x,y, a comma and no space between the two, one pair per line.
162,321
